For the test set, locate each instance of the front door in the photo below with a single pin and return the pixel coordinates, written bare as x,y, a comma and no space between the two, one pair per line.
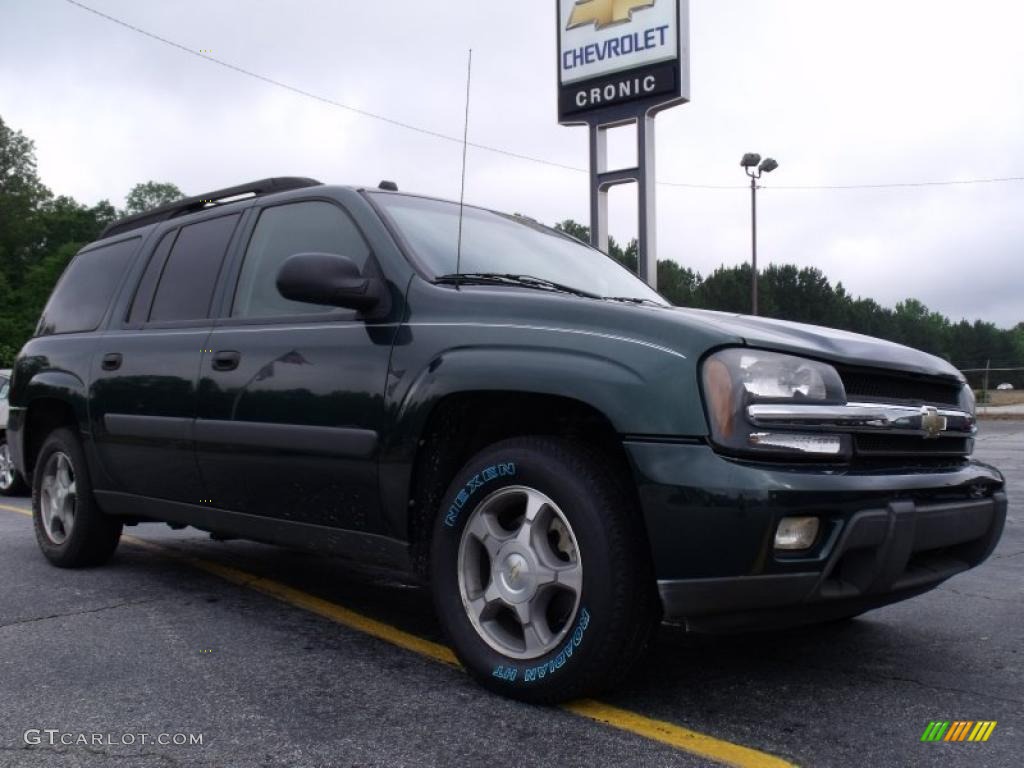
291,395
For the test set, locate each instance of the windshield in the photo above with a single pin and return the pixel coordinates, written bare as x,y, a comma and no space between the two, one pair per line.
493,243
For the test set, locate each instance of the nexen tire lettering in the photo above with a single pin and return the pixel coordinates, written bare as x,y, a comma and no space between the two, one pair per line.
477,481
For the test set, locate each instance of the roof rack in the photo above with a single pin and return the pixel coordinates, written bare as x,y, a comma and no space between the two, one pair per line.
192,204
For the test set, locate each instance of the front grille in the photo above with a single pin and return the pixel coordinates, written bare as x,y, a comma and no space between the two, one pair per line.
910,445
884,386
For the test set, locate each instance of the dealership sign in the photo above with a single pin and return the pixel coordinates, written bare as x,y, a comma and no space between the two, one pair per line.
613,53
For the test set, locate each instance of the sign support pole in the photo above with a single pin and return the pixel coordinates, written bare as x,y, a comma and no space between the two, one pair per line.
647,236
598,195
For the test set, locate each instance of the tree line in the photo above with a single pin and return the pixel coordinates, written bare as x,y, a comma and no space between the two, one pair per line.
41,231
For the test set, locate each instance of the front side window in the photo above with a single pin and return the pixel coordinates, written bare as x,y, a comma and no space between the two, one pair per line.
84,291
190,273
496,243
312,226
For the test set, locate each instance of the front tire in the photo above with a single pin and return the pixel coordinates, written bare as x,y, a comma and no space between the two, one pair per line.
540,571
70,528
11,483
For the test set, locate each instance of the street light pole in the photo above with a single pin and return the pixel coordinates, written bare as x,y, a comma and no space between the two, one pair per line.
754,167
753,245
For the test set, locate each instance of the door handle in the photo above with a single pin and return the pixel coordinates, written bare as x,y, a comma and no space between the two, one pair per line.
226,360
112,361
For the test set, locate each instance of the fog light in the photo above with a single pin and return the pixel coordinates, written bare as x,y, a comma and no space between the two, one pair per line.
796,533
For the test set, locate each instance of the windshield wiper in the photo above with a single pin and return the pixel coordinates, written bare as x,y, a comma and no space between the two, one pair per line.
633,300
525,281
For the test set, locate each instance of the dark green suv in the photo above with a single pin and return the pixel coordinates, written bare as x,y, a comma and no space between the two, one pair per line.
565,457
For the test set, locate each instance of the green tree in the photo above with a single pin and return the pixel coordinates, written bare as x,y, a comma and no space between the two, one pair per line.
22,195
151,194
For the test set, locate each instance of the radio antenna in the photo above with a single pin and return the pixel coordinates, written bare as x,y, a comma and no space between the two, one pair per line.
462,190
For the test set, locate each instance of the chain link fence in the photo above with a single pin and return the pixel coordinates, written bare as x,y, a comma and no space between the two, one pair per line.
990,383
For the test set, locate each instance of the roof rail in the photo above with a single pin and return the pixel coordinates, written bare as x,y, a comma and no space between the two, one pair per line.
192,204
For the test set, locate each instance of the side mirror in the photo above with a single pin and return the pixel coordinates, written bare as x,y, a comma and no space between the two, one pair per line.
327,278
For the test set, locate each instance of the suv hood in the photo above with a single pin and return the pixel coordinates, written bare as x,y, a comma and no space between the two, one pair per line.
825,343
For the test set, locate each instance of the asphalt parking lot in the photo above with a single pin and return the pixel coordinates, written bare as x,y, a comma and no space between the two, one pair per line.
254,649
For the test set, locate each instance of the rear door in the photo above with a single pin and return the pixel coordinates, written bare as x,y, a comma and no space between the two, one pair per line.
144,389
291,395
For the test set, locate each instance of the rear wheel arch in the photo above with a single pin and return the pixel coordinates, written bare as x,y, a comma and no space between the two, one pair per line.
42,417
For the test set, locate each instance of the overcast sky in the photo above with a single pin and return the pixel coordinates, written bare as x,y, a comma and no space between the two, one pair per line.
874,91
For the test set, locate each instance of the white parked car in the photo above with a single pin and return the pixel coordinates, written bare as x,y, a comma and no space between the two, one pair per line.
10,482
1005,386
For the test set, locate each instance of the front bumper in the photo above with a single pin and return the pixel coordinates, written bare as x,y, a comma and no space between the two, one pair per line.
885,535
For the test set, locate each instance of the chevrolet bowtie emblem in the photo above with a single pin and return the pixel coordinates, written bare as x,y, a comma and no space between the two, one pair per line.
605,13
931,422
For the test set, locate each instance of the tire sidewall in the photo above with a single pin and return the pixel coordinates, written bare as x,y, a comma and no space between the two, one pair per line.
516,464
74,550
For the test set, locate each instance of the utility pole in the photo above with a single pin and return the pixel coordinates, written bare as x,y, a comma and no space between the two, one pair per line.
754,167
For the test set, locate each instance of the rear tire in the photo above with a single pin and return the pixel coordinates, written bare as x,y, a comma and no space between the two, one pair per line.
70,528
541,573
11,483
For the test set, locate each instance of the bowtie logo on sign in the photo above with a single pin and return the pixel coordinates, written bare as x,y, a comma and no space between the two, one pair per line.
605,13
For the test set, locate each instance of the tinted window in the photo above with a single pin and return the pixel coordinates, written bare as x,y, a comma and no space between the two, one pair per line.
140,304
283,231
190,274
3,388
83,292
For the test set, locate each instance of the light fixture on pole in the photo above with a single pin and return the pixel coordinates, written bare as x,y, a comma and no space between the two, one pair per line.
754,167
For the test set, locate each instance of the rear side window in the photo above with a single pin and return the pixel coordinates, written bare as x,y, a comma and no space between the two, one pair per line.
83,292
140,304
4,386
190,273
282,231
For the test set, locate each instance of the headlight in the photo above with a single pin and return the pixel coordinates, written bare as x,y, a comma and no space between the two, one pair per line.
736,377
967,400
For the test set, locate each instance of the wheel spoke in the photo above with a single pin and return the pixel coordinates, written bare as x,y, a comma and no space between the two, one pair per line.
487,533
67,517
47,501
570,577
534,504
536,636
485,604
63,472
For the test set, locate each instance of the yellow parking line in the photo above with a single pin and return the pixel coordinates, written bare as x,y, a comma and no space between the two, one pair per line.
700,744
720,751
